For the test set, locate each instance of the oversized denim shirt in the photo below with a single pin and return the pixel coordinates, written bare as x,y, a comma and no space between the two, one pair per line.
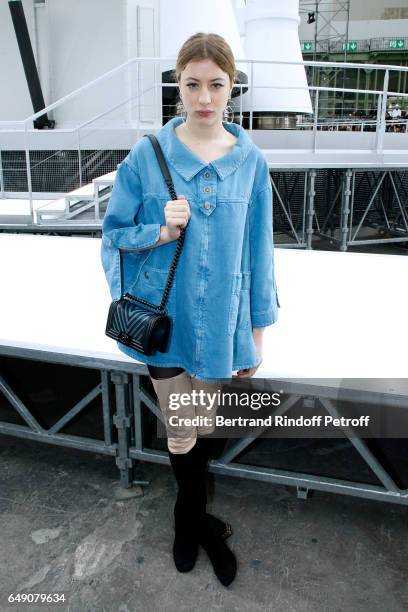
225,279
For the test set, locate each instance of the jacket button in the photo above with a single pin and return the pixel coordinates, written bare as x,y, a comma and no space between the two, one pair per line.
207,189
207,205
146,274
207,174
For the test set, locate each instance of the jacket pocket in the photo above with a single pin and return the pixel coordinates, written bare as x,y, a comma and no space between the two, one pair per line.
132,264
234,302
150,286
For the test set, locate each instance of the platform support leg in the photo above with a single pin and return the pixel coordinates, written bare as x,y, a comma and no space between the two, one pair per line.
303,492
345,209
96,200
310,209
122,420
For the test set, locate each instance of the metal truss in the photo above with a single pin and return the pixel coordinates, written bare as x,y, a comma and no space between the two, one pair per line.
327,14
122,411
227,465
119,419
290,207
378,193
347,206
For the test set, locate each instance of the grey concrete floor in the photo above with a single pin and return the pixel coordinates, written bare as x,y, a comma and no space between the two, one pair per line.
67,527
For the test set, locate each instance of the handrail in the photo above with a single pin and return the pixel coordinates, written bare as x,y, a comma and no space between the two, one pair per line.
88,121
129,62
241,85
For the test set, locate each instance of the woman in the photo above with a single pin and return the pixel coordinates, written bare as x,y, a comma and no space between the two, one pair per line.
224,292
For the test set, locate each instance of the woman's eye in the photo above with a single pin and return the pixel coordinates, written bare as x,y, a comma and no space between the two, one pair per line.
216,85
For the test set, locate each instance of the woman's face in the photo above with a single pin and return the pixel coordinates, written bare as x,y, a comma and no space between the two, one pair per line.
204,87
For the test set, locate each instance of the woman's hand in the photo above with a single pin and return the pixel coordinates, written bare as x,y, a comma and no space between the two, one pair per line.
257,334
177,213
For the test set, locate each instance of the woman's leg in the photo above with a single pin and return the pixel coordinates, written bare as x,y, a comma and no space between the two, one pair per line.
213,542
207,404
188,458
208,408
180,439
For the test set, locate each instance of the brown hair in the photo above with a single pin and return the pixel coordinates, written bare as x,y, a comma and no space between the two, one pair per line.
202,46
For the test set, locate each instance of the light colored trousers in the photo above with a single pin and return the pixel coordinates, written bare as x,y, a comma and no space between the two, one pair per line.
182,437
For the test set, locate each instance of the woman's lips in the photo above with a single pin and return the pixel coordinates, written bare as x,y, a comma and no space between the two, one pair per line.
204,113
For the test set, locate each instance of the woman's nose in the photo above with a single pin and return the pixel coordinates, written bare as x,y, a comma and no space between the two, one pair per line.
205,96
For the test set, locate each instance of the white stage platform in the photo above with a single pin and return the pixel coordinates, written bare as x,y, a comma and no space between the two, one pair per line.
342,315
14,210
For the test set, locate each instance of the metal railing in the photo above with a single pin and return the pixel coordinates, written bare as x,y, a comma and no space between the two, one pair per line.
354,125
133,105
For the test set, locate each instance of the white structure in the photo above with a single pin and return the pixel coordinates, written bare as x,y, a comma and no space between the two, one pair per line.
271,33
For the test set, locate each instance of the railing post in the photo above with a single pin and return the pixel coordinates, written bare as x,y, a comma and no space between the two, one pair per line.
79,158
1,177
240,108
138,103
316,112
381,131
28,170
156,71
379,107
252,99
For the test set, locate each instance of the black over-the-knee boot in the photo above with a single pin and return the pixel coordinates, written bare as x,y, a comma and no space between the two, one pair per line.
222,558
190,508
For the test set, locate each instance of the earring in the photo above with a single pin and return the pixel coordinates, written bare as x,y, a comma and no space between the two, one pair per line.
228,114
180,110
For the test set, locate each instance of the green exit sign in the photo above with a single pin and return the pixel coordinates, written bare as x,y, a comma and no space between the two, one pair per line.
307,45
398,43
352,45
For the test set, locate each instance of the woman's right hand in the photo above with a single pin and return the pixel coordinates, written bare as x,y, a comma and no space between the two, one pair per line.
177,214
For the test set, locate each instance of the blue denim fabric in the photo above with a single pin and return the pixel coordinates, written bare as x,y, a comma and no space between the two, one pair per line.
225,280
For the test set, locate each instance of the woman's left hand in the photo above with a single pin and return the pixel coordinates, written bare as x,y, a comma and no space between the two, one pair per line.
257,334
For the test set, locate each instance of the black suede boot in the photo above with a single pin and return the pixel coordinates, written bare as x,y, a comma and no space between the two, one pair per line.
215,446
210,448
189,510
222,558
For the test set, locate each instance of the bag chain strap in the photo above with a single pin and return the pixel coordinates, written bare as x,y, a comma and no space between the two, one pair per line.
180,240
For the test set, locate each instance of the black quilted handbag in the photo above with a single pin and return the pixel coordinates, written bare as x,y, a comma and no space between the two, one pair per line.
134,321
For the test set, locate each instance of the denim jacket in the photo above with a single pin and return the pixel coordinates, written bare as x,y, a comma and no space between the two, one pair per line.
225,279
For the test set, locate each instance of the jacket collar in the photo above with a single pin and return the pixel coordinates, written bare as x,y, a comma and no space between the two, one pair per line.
188,164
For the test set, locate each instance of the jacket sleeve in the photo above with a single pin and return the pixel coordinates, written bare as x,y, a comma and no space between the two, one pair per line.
120,232
119,224
264,296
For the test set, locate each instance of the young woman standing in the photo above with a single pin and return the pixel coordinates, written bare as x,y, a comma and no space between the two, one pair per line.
224,293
